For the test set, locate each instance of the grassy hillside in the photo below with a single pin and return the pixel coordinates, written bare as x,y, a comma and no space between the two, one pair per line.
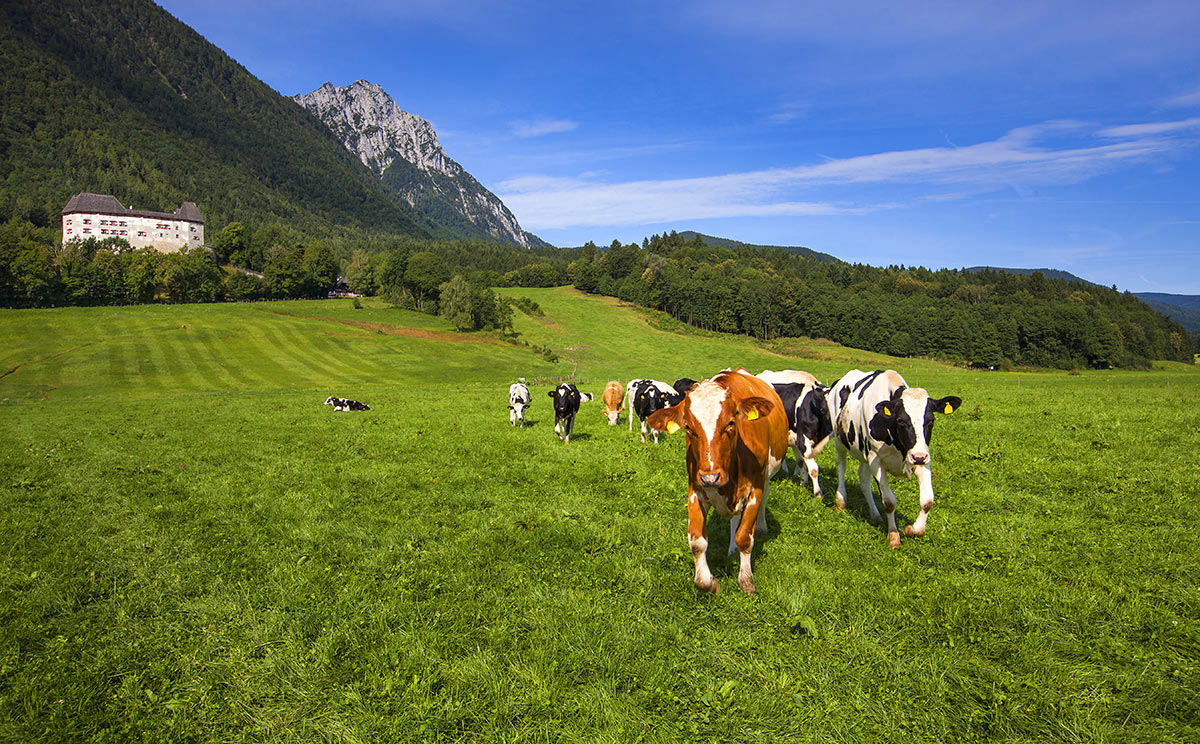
119,97
196,549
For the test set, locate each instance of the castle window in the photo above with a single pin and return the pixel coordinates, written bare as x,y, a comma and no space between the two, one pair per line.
87,230
86,221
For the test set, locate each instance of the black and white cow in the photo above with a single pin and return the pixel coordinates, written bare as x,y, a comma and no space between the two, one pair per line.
647,396
518,401
887,426
809,420
683,385
566,404
344,404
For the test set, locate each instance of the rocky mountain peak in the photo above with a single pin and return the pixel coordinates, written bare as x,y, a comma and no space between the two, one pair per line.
375,129
370,124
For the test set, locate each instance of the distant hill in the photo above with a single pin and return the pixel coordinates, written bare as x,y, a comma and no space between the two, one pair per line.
735,244
118,97
1183,309
1048,273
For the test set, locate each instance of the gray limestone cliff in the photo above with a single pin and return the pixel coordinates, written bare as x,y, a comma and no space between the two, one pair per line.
403,150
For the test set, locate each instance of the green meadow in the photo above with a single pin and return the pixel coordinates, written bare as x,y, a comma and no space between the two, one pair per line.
194,548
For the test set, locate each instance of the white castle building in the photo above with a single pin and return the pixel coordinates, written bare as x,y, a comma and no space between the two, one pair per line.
101,216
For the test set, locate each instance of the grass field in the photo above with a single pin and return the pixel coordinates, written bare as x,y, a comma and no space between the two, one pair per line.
193,548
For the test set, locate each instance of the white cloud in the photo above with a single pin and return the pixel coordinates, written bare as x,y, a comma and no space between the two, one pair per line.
538,127
1021,158
1153,128
1185,99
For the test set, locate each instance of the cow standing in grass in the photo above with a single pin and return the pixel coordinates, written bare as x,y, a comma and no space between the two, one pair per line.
566,404
887,426
646,397
614,401
808,418
737,437
518,401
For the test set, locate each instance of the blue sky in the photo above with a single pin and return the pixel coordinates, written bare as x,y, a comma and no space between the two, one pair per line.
943,134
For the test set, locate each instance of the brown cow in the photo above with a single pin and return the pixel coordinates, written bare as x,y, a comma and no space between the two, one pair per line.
737,437
614,401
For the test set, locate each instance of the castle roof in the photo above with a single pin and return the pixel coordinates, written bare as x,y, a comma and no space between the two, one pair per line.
105,204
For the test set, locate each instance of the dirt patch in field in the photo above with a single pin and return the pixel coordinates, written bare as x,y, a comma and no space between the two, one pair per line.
392,330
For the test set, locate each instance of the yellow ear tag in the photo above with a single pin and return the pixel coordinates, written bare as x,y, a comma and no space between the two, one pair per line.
672,427
752,414
887,411
949,408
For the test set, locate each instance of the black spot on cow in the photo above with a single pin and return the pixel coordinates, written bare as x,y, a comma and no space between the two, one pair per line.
812,417
862,385
789,394
850,436
843,396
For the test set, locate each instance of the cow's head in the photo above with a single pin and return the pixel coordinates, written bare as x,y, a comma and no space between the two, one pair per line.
905,421
714,422
612,416
566,399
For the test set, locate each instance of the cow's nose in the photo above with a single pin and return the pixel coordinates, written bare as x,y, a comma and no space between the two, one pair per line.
919,459
709,479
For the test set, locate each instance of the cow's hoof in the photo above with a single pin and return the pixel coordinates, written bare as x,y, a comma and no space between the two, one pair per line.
818,495
893,539
839,505
712,588
910,532
747,584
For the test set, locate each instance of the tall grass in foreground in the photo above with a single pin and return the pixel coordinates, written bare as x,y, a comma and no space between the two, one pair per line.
195,549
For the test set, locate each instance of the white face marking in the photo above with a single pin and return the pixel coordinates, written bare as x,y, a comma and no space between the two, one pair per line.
914,402
707,398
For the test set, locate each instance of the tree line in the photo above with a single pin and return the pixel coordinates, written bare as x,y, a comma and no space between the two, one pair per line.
985,318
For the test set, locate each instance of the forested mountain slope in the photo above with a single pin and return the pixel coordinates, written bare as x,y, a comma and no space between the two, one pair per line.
119,97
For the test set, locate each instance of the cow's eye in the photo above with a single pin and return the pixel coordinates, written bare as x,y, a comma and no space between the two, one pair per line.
730,425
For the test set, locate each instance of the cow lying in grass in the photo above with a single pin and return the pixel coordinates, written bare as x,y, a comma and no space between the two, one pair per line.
344,404
887,426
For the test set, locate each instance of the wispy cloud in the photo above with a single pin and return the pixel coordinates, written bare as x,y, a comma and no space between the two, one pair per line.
1158,127
1185,99
1023,157
525,128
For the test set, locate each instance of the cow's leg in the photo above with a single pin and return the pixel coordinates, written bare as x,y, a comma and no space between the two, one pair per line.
810,465
643,429
568,427
889,502
865,474
754,513
698,542
925,486
840,500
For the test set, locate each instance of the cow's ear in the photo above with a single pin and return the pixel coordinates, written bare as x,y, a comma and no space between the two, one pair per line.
754,408
669,420
886,408
551,393
949,404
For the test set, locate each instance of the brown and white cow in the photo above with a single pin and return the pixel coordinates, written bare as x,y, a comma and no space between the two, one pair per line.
737,436
614,401
886,426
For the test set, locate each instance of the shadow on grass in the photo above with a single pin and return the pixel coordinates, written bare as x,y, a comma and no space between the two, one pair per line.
723,565
856,506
